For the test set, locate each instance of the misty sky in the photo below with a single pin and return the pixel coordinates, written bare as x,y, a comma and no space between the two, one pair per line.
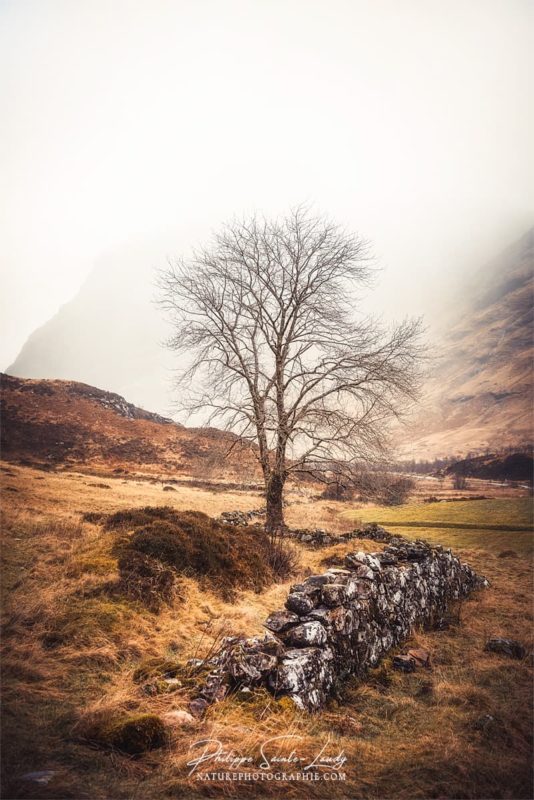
125,121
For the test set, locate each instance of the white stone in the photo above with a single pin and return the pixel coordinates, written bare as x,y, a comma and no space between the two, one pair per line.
179,717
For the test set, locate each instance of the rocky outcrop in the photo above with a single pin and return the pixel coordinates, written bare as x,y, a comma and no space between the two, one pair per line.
342,622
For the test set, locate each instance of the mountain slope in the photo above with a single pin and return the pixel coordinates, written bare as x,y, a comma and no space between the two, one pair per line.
480,398
110,334
72,424
481,394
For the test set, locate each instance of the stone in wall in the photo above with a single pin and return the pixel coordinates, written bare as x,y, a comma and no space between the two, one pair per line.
342,622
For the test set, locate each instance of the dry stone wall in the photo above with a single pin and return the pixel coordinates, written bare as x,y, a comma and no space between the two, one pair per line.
342,622
310,537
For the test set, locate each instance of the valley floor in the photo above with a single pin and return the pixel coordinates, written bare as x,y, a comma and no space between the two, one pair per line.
70,647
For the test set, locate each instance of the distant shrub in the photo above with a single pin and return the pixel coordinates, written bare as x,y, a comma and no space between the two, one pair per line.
396,492
385,488
337,491
459,481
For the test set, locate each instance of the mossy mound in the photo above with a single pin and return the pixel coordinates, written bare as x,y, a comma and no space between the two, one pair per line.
286,703
382,677
133,735
130,518
193,544
146,579
255,703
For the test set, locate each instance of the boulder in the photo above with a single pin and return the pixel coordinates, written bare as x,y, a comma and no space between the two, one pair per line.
505,647
320,580
198,706
306,675
178,718
309,634
404,663
300,603
280,621
334,594
420,656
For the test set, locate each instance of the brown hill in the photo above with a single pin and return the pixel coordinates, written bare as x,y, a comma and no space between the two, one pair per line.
52,423
480,397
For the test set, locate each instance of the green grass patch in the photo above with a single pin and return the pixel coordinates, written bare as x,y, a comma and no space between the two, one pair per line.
492,515
492,541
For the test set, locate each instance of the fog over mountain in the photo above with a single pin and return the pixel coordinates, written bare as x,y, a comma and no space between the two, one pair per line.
128,136
408,122
480,395
111,335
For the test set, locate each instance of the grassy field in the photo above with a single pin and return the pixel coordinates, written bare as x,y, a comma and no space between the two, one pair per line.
496,514
461,730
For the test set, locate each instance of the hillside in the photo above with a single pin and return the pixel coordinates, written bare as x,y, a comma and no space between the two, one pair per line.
480,396
510,467
68,423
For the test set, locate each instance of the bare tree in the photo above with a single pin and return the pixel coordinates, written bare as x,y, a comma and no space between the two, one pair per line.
459,481
277,351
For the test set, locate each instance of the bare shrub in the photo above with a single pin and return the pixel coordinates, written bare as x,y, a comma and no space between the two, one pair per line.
337,491
459,481
284,559
385,488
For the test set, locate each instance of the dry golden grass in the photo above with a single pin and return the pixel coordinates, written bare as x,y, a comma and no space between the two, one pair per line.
421,735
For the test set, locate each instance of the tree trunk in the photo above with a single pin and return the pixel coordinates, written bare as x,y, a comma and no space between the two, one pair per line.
275,513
